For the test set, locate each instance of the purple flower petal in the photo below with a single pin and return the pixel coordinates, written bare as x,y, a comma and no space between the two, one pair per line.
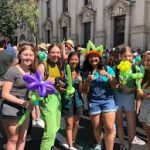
33,86
29,78
42,90
39,76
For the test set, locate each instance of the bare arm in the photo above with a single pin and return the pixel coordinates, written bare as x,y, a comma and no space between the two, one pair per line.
65,57
7,86
41,68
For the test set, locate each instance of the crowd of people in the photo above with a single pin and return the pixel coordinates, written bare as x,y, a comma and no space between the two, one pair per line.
94,73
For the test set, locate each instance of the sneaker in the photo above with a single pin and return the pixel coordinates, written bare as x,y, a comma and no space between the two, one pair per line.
72,148
64,145
40,123
97,147
79,147
138,141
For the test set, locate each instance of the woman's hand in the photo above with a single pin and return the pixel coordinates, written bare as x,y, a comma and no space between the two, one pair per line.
103,73
140,93
51,80
79,78
90,78
36,113
28,105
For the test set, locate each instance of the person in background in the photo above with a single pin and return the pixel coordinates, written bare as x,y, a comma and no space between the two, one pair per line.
68,47
42,52
72,107
144,115
15,97
5,63
42,47
9,49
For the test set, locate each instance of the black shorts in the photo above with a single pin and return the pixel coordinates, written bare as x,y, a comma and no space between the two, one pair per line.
73,111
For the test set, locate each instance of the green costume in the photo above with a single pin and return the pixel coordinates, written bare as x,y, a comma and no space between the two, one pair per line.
51,112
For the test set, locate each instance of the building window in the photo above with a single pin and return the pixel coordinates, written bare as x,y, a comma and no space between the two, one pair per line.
48,9
48,36
87,32
64,32
65,5
119,30
86,2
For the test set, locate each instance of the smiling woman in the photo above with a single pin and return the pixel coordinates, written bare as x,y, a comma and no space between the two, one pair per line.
51,105
14,93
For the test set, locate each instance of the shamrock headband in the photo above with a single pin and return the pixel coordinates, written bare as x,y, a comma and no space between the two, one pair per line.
91,49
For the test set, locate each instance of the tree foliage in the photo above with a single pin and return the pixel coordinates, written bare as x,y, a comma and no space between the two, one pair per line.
28,13
8,22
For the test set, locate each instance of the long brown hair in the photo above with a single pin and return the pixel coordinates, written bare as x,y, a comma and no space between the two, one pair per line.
49,50
146,79
22,46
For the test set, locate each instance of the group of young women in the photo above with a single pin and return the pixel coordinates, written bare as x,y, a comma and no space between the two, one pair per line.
107,97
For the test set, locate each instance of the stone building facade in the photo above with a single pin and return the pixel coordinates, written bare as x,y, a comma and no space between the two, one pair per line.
107,22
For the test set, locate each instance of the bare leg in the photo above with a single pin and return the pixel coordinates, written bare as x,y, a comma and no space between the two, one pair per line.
69,130
109,120
95,119
22,135
75,127
131,125
119,121
12,132
147,130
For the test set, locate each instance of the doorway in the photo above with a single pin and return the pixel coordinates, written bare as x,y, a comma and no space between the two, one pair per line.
87,32
119,30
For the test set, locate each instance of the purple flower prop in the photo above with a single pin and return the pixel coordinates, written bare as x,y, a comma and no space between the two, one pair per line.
35,82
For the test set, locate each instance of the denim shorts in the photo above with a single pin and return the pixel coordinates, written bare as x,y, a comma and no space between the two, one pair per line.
101,106
125,101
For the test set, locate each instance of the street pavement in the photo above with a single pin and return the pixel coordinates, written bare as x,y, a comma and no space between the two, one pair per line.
84,137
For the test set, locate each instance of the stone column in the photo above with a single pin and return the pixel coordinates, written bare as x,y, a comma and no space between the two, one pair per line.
110,32
127,27
99,36
139,30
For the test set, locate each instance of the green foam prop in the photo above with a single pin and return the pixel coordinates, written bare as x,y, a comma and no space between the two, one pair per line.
70,89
